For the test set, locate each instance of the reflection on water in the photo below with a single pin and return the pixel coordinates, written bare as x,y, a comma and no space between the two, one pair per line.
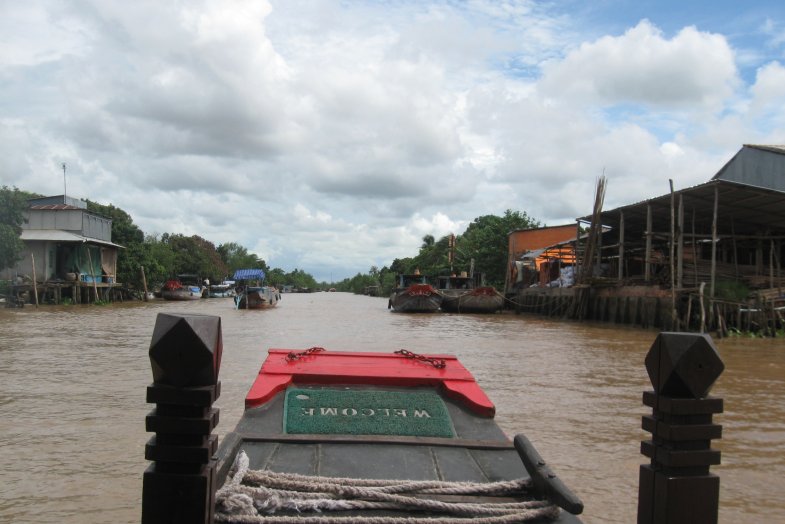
72,397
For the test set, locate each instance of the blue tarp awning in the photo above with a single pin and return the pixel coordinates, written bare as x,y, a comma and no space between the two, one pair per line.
248,274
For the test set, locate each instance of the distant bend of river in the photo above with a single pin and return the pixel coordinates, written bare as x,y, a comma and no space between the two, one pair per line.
73,379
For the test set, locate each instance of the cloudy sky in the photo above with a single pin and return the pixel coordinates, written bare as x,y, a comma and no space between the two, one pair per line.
331,136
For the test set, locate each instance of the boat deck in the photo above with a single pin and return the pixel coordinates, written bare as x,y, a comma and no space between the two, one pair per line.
479,452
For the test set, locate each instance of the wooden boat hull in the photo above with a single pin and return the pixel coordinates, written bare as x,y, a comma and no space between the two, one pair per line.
478,300
478,451
183,293
257,298
420,298
221,291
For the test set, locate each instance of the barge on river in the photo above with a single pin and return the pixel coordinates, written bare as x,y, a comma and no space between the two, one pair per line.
414,294
332,433
465,294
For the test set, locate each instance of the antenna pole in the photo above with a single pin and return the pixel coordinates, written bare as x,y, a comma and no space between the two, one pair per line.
64,184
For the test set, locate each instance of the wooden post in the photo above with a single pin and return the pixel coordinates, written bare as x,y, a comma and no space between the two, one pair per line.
185,355
714,241
677,486
672,249
35,279
92,274
144,284
694,249
771,265
621,245
647,256
703,307
680,245
577,250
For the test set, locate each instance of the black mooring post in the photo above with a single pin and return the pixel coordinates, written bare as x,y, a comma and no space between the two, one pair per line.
677,487
185,355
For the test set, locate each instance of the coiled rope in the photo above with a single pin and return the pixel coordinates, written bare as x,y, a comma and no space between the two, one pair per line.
252,496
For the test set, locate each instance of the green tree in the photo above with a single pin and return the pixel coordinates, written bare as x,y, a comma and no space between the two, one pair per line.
276,277
195,255
13,203
237,257
133,257
157,258
485,241
432,258
300,279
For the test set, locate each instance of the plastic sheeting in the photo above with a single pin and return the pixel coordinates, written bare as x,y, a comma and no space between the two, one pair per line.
248,274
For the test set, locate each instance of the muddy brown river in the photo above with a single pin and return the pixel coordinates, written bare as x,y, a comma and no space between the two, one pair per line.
73,379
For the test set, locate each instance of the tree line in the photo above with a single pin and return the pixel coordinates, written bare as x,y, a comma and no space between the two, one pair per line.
482,247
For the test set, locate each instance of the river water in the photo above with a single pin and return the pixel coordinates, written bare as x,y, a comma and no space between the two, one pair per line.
73,379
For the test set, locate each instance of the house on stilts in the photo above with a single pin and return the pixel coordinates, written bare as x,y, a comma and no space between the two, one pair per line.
68,255
708,257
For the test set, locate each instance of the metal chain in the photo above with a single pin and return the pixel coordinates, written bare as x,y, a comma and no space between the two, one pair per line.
292,356
438,363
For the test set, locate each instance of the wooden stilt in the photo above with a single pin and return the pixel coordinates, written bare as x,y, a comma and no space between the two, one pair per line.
680,245
92,273
714,241
621,246
647,255
672,246
144,284
35,280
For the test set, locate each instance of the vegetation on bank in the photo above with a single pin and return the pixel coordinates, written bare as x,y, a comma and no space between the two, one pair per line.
162,256
483,247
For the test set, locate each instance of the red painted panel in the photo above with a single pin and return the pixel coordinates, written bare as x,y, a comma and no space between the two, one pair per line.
338,367
264,389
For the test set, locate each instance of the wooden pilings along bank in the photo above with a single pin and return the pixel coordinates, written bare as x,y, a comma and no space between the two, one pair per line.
62,293
651,307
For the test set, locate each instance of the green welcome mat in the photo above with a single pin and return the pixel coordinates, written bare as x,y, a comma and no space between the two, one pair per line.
353,412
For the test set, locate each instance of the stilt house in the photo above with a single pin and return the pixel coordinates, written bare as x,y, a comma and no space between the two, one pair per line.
68,251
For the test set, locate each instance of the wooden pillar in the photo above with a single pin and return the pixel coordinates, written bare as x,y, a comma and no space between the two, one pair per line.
647,256
621,245
771,265
680,245
677,487
672,257
144,284
714,241
92,274
35,285
185,356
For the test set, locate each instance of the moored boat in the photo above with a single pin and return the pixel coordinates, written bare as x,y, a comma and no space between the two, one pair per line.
222,290
413,294
184,287
249,296
334,434
462,294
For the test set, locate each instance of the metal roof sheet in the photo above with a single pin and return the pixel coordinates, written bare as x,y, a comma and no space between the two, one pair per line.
56,207
59,235
742,209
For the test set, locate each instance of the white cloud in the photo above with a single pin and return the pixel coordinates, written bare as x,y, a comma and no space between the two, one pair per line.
641,66
768,92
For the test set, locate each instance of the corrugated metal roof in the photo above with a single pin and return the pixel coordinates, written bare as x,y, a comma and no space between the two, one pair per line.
742,209
56,207
772,148
59,235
